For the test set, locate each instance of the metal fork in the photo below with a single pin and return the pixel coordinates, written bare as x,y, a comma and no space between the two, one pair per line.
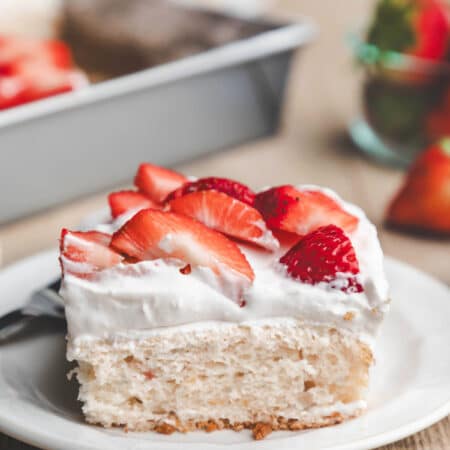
43,303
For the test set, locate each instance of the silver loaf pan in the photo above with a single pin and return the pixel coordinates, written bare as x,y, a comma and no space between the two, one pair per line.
61,148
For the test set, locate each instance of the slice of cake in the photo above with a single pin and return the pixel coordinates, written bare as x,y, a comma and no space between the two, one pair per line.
203,305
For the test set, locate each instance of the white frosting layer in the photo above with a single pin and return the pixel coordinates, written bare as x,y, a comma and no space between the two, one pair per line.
153,294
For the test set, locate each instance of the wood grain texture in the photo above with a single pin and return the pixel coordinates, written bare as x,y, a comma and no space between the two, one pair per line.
311,148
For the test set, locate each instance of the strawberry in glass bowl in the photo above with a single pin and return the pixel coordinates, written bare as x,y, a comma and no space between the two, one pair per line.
405,56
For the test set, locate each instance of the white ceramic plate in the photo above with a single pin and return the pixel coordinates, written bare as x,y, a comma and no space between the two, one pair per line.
410,390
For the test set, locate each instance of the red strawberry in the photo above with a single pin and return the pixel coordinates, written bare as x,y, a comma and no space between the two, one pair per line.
226,214
289,209
416,27
153,234
53,52
31,80
123,201
286,238
320,256
432,30
157,182
43,79
13,92
82,253
31,70
423,202
229,187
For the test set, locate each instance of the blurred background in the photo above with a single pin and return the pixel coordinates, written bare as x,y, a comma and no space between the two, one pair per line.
346,97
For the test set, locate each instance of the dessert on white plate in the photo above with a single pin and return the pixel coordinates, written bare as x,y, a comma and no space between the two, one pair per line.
203,305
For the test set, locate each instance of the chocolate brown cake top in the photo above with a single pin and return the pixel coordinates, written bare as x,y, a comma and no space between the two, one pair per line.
120,36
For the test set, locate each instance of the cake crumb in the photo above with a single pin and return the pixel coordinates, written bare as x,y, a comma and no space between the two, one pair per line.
134,401
349,315
208,426
165,428
261,430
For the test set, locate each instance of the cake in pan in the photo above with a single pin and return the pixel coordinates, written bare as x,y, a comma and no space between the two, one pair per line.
116,37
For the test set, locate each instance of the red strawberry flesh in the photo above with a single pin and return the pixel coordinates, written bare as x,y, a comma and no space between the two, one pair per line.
226,214
83,253
302,211
153,234
325,255
122,201
157,182
232,188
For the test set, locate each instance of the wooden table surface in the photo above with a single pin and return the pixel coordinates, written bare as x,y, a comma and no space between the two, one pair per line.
311,147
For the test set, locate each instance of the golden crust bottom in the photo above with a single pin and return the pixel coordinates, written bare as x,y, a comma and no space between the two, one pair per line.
259,429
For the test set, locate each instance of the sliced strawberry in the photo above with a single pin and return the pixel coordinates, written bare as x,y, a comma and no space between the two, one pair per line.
43,79
153,234
226,214
286,238
82,253
325,255
123,201
301,211
157,182
32,69
13,92
53,52
232,188
432,30
34,81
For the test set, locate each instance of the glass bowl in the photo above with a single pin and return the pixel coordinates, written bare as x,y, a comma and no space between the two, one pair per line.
405,103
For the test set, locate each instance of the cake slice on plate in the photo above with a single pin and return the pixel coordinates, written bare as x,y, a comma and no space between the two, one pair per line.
203,305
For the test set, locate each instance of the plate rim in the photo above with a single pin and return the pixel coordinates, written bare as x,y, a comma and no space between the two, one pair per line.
19,431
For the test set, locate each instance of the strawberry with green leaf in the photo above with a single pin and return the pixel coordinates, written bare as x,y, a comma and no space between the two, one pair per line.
416,27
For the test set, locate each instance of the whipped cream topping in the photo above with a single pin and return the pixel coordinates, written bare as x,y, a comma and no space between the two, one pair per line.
151,295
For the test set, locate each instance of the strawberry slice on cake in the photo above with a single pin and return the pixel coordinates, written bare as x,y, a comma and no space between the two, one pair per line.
325,255
153,234
157,182
226,214
83,253
232,188
123,201
297,211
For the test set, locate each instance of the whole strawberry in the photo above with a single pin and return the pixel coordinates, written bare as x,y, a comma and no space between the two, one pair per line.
325,255
416,27
423,202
